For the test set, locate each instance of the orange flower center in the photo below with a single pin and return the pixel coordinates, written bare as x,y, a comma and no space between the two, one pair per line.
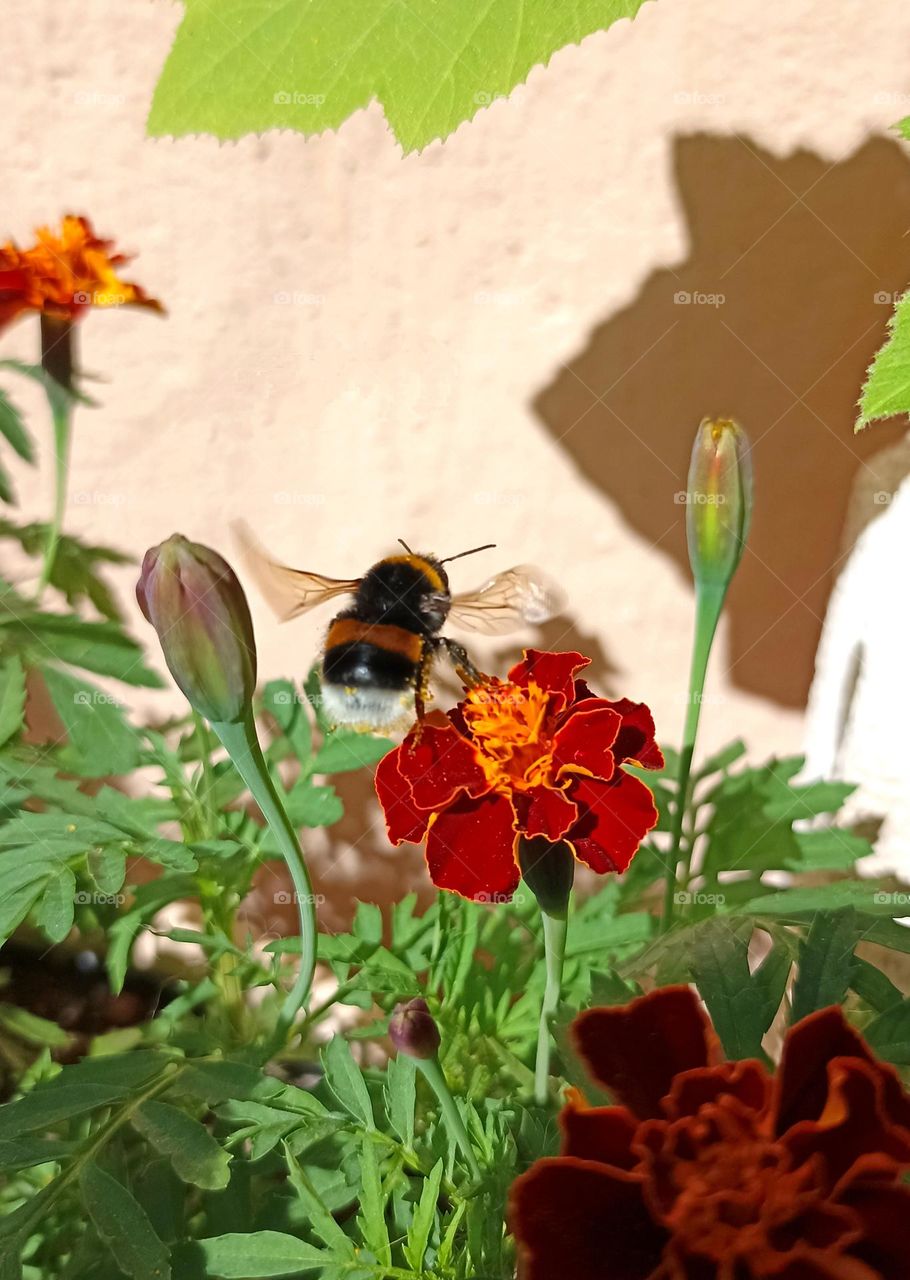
510,727
726,1189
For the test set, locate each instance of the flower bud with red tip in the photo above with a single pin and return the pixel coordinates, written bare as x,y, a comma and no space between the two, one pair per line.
193,599
413,1031
718,501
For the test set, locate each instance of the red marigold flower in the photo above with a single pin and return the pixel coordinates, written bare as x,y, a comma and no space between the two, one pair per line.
534,755
63,275
714,1170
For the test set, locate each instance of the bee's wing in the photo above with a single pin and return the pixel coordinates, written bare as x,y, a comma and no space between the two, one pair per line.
289,592
515,596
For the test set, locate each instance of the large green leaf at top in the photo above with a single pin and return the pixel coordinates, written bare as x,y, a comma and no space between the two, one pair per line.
887,389
243,66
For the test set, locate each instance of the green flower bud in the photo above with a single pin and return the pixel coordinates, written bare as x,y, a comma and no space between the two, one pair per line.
193,599
719,500
548,870
413,1031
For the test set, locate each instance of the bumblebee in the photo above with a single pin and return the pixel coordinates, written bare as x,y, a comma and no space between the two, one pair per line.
380,650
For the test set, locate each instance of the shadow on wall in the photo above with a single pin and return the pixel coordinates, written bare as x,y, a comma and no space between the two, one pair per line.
773,320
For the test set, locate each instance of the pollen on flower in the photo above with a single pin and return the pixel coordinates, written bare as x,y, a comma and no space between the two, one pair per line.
508,724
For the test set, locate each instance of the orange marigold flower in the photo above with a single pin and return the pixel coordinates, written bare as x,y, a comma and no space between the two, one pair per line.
64,274
537,755
714,1170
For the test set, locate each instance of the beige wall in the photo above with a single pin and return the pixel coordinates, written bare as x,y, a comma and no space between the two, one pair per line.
361,347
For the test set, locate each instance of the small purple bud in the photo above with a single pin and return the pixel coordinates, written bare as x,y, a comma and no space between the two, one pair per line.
193,599
413,1031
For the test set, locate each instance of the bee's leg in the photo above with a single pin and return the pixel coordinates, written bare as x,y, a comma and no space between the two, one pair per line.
469,675
422,686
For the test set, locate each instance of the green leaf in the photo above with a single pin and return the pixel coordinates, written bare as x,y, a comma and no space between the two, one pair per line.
318,1215
372,1205
31,1029
100,647
12,428
344,1078
344,751
100,738
45,1107
887,389
421,1224
720,968
123,1226
258,1254
401,1096
308,65
825,965
21,884
196,1156
54,914
873,986
866,896
889,1034
289,708
12,698
76,565
312,806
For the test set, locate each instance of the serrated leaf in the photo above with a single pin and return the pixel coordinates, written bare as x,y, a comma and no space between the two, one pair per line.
401,1096
344,751
195,1155
123,1226
307,66
45,1108
318,1215
887,389
13,430
422,1223
54,913
865,896
258,1254
889,1034
873,986
311,806
372,1205
100,739
346,1082
825,966
12,698
720,968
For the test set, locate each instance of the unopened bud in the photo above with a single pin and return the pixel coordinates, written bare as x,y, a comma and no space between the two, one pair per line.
413,1031
718,501
548,870
193,599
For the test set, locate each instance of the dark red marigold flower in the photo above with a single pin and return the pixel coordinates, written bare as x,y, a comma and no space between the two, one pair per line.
535,755
713,1170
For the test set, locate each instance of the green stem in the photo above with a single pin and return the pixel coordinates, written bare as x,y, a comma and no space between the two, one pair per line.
61,412
434,1077
242,745
709,600
555,928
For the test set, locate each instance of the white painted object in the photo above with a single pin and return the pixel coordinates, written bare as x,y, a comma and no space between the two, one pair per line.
859,705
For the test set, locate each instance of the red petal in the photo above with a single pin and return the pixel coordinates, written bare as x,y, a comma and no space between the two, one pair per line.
802,1079
545,812
635,1050
883,1213
615,817
471,849
551,671
438,763
599,1133
404,821
635,740
576,1220
584,741
747,1081
853,1123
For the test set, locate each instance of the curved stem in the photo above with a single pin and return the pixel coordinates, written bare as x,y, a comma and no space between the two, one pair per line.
242,745
433,1074
555,929
709,601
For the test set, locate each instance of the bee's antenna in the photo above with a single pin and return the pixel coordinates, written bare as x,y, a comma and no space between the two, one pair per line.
406,547
488,546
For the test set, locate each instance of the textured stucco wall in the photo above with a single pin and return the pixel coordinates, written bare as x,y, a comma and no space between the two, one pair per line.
355,340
